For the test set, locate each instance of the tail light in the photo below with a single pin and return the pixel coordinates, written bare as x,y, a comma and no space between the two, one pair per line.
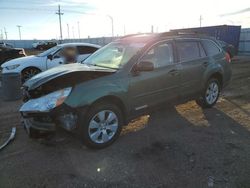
227,57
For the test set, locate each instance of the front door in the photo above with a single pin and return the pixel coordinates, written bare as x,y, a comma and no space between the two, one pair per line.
57,59
149,88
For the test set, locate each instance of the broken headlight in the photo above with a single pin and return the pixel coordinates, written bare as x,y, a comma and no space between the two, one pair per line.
47,102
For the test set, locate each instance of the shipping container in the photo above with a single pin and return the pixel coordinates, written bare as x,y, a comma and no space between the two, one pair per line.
227,33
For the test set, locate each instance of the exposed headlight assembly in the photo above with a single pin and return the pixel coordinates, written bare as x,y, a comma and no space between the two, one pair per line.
11,67
47,102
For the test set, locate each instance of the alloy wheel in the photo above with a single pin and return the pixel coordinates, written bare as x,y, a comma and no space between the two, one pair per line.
212,92
27,74
103,126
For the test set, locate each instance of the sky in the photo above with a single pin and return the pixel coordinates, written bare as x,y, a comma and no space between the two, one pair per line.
38,18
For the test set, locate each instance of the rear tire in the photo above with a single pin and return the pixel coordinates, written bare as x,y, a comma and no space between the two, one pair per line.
101,126
210,94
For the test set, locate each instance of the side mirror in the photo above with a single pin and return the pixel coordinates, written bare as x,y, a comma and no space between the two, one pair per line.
50,57
145,66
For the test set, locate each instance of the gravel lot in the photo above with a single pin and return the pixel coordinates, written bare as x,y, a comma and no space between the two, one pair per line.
181,146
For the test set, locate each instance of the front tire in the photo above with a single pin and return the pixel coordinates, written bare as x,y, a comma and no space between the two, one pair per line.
210,94
29,72
101,126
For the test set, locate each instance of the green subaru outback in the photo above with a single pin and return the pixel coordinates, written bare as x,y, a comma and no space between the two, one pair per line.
122,81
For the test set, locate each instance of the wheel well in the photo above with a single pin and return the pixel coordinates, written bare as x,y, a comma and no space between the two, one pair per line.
114,100
219,77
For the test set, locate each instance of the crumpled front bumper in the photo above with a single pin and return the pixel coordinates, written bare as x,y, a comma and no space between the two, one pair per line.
63,116
38,121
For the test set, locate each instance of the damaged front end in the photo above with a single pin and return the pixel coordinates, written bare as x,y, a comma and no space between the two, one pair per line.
45,112
44,97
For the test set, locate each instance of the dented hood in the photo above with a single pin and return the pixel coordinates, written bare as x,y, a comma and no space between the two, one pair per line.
61,71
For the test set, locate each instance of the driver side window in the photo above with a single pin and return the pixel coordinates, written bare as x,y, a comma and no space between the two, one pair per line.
160,55
58,54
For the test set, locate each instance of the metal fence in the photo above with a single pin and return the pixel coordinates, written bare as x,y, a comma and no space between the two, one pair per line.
28,43
244,43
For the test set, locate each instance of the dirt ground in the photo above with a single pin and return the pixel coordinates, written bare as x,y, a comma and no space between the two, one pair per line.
181,146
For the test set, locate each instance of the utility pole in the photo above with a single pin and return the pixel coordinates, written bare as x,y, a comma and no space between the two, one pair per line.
200,19
124,30
112,24
19,30
78,25
60,22
1,36
68,30
5,32
73,32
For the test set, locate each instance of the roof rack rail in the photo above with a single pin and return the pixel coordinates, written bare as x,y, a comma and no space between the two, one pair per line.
137,34
176,33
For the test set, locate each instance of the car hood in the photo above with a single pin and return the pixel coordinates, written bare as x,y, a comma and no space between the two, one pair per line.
21,60
64,72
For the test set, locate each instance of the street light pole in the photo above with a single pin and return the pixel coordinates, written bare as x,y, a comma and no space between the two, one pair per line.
112,24
19,30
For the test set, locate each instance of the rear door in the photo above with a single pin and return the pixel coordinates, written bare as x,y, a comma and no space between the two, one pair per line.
193,60
84,52
154,87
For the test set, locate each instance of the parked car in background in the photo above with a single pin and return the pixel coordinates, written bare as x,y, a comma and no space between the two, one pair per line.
35,44
123,80
7,53
7,45
229,48
44,45
32,65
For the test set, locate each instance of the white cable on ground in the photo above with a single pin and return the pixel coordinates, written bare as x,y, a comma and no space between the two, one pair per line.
12,136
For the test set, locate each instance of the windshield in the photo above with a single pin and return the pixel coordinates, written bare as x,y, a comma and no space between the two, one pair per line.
49,51
114,55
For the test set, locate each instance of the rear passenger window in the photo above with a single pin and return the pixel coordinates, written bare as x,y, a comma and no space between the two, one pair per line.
210,47
188,50
86,49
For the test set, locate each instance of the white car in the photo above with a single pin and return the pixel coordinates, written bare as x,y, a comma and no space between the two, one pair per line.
35,44
31,65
